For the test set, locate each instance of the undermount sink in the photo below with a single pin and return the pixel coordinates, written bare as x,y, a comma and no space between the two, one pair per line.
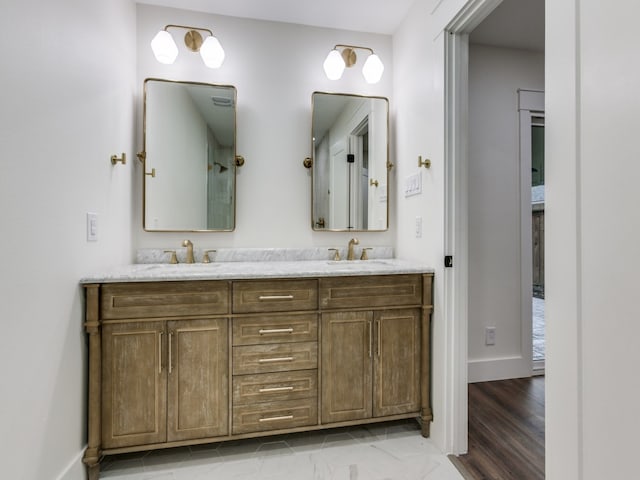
357,263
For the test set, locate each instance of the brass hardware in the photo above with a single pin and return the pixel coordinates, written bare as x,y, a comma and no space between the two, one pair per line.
189,245
205,257
373,183
193,40
364,255
390,165
174,257
239,160
170,340
274,419
275,389
379,339
275,297
307,162
336,256
160,352
141,156
278,359
423,163
152,174
320,223
115,159
275,330
350,254
349,57
370,337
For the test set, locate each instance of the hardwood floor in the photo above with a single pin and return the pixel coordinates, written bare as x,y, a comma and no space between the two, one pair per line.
506,431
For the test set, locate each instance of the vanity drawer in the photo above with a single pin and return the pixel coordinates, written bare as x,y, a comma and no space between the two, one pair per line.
275,296
270,387
278,357
370,291
275,329
275,415
164,299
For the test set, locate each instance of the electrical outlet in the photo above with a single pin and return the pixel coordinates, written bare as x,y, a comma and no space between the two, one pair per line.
490,336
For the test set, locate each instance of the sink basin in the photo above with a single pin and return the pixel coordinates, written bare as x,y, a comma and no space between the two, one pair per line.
360,264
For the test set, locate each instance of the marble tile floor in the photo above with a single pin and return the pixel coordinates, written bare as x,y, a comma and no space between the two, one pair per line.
387,451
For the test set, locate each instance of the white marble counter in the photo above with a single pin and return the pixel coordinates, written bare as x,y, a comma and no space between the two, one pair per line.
156,272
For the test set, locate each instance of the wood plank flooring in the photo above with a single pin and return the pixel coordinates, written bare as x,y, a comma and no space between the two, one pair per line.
506,431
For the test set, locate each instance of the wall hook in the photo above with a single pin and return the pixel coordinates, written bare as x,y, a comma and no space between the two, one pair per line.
115,159
239,161
423,163
307,162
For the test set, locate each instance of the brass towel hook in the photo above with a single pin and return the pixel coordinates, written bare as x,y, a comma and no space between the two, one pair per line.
424,163
122,159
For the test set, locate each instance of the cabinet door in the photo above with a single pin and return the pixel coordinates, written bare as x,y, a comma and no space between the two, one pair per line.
396,362
346,366
198,365
134,384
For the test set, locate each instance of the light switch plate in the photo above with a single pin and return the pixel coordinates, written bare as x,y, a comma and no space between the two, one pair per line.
92,227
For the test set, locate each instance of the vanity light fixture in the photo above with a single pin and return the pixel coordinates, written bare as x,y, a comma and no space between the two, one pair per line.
344,56
166,51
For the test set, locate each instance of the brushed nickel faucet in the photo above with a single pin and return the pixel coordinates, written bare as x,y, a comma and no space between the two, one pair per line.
350,254
189,245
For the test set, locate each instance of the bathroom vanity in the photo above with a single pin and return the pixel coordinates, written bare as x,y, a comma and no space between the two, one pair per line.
187,354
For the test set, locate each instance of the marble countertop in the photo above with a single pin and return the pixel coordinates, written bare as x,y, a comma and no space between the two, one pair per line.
155,272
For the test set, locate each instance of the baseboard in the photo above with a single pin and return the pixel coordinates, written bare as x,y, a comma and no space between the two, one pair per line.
75,470
460,467
498,369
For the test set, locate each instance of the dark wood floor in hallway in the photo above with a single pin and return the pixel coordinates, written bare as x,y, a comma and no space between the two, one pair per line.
506,431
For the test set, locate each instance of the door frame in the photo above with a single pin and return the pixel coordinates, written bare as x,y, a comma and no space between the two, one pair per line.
456,235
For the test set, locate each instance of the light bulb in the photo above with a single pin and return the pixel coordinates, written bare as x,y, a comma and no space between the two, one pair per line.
373,68
333,65
212,52
164,48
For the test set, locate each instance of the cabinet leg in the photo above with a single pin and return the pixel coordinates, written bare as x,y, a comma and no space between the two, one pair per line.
92,461
426,425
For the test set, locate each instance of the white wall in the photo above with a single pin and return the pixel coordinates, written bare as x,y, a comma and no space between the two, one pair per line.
275,67
418,52
495,75
592,233
67,96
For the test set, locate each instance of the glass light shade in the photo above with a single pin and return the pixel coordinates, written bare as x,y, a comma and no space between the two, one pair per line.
212,53
333,65
373,69
164,48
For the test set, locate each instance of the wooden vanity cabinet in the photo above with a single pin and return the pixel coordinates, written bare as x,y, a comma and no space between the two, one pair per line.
184,362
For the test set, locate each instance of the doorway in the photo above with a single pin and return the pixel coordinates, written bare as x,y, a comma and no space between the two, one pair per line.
457,180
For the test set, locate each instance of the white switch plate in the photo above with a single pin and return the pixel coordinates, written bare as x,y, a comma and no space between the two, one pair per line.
92,227
413,184
418,227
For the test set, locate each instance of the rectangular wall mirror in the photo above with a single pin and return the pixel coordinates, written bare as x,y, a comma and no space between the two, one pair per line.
350,153
189,156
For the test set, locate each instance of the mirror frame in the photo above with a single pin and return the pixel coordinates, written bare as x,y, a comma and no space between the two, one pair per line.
142,156
388,164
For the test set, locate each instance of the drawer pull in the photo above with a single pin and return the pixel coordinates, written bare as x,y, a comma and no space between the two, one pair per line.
275,389
277,359
275,297
275,330
275,419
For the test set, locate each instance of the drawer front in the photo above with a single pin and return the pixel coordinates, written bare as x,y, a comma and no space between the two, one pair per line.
275,296
275,415
275,329
270,387
373,291
164,299
279,357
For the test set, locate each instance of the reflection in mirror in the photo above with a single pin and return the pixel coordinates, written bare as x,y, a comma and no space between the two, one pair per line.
189,156
350,156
